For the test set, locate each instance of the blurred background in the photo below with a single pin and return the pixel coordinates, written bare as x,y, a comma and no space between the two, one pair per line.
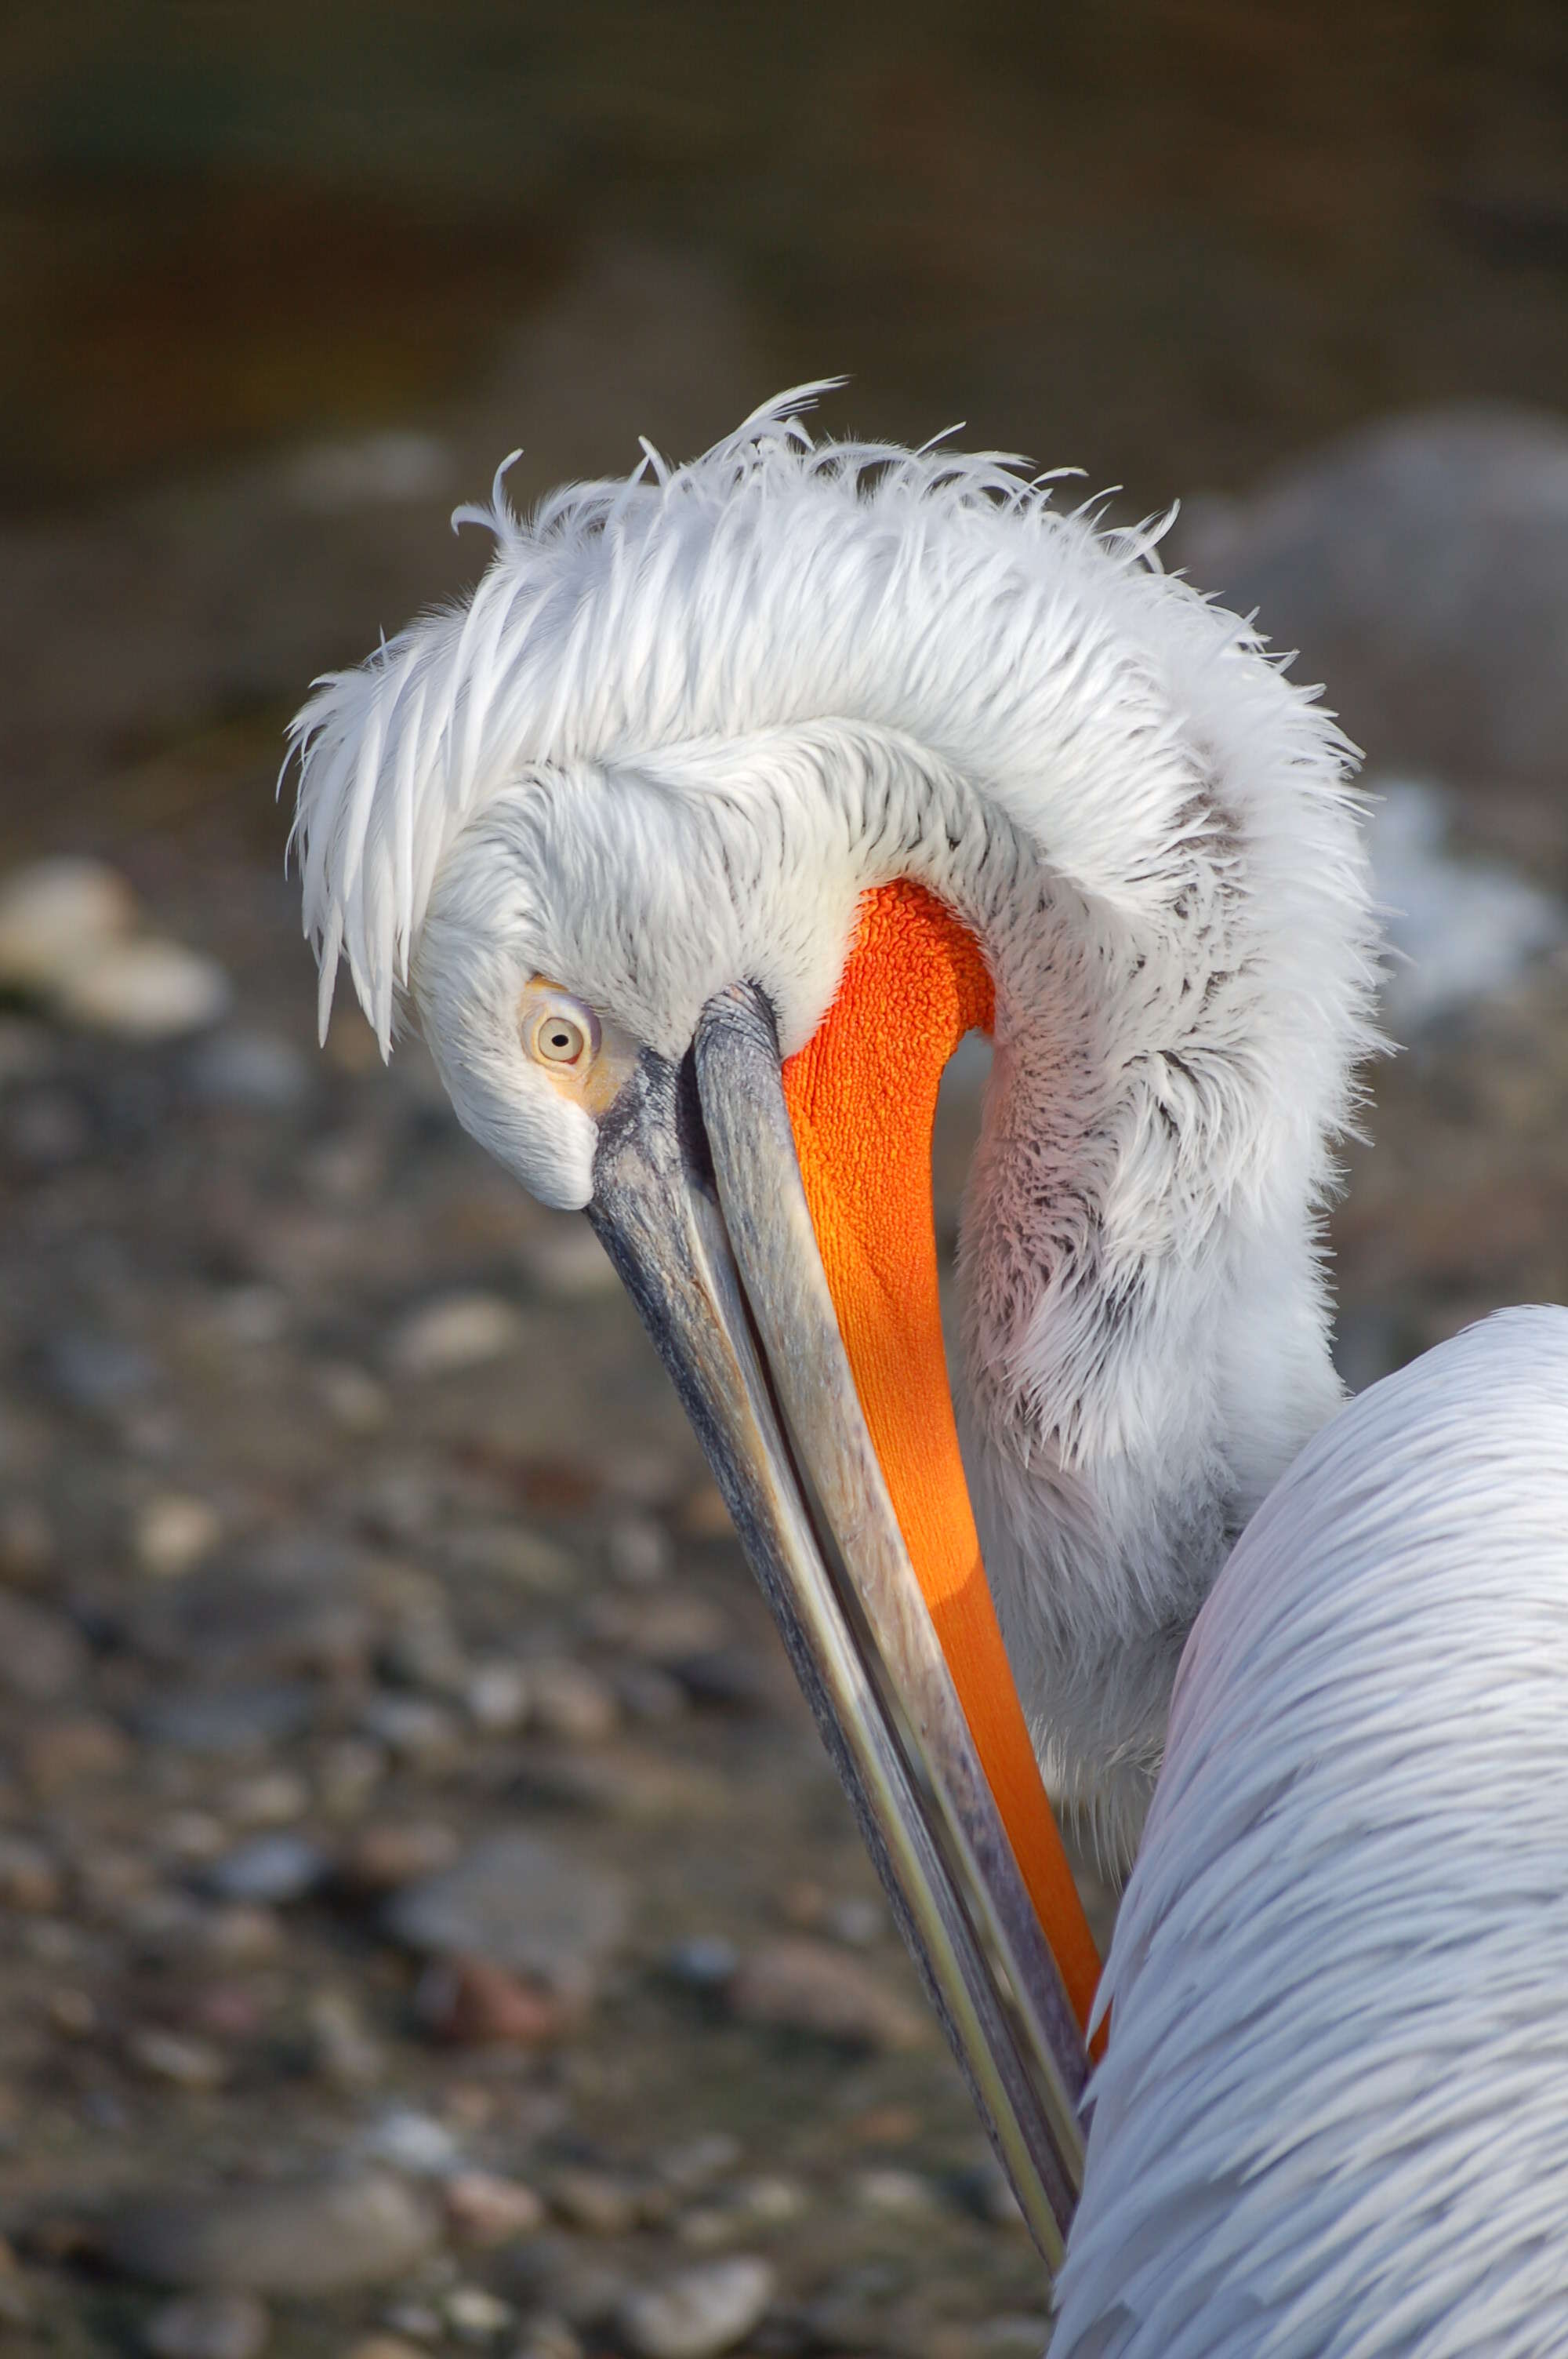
426,1921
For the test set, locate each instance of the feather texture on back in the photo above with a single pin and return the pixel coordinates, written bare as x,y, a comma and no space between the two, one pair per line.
1332,2121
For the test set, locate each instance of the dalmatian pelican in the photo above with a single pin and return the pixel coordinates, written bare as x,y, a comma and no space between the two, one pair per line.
696,837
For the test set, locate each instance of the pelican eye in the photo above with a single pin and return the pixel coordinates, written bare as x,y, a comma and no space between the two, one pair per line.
563,1033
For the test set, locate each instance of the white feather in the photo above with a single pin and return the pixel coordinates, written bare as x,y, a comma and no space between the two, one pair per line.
687,718
1333,2119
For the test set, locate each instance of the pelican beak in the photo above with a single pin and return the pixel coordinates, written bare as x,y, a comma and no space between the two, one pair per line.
699,1200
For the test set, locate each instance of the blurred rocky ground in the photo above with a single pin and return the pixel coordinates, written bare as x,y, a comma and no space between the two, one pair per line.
426,1920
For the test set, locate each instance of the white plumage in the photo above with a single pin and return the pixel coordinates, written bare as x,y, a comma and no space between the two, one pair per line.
686,720
1333,2119
682,725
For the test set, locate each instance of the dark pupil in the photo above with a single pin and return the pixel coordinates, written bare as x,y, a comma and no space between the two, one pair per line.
559,1040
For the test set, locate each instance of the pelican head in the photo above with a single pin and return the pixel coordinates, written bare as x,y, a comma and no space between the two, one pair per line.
696,837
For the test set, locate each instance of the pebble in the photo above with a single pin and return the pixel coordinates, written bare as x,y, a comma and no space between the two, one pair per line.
708,1962
46,1128
174,2057
298,2238
474,2314
256,1072
241,1934
412,1728
595,2201
485,2210
707,2227
209,2326
521,1903
73,2013
472,2003
53,910
566,1700
769,2200
275,1798
637,1551
29,1880
351,1768
648,1695
424,1652
698,2313
560,2275
697,2163
218,1722
460,1331
661,1627
513,1553
545,2336
724,1678
271,1870
60,1753
144,988
386,2346
28,1543
414,2323
98,1372
394,1852
342,2050
986,2191
896,2194
172,1533
624,1781
496,1697
563,1261
41,1657
798,1985
413,2142
352,1398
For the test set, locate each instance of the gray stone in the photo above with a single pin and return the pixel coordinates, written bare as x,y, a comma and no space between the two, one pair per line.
460,1331
519,1902
172,2056
271,1869
698,2313
1420,566
555,2274
29,1879
88,1370
303,1604
706,1962
254,1072
207,2326
798,1985
41,1657
298,2238
221,1722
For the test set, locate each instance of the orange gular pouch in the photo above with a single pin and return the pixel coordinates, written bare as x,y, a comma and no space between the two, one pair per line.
862,1103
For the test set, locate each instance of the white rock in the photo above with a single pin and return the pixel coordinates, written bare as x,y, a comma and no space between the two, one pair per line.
53,914
698,2312
497,1697
476,2315
209,2326
173,1532
1462,929
899,2194
460,1331
143,988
